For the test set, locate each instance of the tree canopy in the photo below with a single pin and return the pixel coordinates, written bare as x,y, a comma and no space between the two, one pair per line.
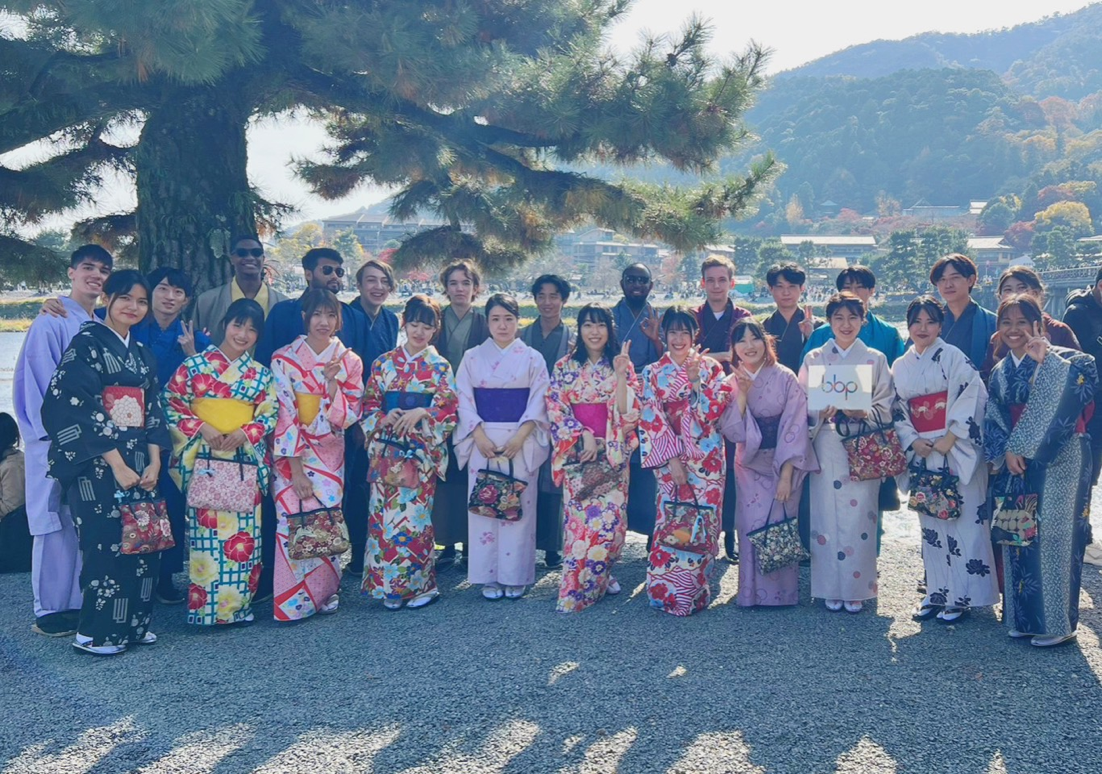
481,112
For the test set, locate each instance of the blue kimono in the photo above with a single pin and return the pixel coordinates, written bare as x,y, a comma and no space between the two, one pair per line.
1040,412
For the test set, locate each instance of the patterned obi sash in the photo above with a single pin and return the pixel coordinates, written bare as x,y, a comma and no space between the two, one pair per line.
224,414
1016,410
928,411
501,404
396,399
125,405
308,405
593,416
768,427
680,420
675,412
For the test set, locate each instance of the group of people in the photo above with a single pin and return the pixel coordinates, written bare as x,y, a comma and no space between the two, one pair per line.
284,442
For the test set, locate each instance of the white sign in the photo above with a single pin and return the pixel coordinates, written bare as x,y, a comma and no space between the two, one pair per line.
840,387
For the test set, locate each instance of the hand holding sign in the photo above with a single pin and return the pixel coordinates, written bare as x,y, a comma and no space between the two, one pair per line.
843,387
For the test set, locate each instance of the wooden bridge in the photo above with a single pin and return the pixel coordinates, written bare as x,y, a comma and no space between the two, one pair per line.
1060,282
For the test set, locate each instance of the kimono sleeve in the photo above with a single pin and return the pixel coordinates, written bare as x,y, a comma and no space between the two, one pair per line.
536,410
740,427
468,418
883,391
434,430
288,440
967,402
265,413
1063,386
793,440
564,428
622,440
996,419
156,429
658,443
41,353
814,421
374,390
72,409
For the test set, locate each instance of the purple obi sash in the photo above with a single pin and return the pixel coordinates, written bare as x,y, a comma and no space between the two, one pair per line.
395,399
768,427
501,405
593,416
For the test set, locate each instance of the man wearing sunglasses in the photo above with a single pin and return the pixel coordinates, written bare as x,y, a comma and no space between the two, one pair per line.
247,259
323,268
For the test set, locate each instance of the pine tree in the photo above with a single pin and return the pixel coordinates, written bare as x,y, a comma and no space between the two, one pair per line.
481,112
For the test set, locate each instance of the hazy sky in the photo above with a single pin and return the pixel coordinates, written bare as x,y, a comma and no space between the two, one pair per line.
797,31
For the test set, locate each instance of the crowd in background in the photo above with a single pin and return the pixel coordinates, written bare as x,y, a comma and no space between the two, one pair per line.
271,445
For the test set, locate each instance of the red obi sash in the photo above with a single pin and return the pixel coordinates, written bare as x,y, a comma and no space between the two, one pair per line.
1016,410
593,416
928,411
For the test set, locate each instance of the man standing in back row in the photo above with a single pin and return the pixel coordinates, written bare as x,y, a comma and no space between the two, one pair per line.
247,259
637,321
717,317
55,558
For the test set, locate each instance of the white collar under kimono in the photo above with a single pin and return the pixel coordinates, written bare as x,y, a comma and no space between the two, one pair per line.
409,357
124,339
931,350
1017,360
754,374
844,352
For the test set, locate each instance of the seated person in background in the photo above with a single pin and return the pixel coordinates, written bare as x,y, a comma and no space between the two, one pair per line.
15,537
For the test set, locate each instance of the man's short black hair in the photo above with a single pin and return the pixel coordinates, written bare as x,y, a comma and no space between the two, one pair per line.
560,284
177,278
316,254
91,253
642,266
862,275
791,272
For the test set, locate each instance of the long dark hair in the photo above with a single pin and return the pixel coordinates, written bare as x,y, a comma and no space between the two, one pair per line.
598,314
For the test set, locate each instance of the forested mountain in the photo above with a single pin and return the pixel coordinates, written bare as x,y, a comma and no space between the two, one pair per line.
1057,56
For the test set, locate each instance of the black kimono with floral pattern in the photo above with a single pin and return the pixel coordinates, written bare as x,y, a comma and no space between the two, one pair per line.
117,587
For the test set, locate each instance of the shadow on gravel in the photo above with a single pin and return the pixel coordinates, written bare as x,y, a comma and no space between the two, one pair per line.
468,685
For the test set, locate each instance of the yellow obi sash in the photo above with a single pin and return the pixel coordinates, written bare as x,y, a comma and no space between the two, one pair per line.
308,407
224,414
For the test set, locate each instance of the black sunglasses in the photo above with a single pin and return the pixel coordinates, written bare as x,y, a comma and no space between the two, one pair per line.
245,252
636,280
327,270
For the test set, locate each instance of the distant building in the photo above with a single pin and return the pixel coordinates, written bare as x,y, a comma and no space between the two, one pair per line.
975,208
592,244
853,248
992,254
924,211
374,230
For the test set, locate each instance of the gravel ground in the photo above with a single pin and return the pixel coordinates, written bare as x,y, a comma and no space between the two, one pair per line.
468,685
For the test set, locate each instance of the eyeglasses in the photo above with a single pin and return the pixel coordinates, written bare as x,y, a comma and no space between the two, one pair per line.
243,252
632,280
327,270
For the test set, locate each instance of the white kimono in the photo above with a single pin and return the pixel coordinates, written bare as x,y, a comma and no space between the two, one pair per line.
503,551
844,512
957,553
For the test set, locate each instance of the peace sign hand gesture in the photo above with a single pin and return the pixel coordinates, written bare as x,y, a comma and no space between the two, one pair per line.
807,325
1037,347
622,362
693,362
187,339
333,367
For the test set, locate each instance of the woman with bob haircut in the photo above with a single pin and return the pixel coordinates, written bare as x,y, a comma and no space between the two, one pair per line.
410,409
767,420
939,407
844,511
502,386
1035,436
684,395
221,406
592,408
319,384
103,415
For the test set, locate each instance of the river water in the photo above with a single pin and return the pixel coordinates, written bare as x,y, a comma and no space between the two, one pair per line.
9,351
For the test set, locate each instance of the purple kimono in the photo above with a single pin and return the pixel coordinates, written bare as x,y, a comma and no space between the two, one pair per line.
55,561
773,431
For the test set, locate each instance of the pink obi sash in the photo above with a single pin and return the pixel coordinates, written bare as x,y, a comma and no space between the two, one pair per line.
593,416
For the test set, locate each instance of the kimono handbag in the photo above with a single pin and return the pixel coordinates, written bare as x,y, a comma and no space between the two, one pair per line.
397,464
597,478
778,545
1015,521
317,534
145,525
496,495
935,492
223,485
685,526
873,452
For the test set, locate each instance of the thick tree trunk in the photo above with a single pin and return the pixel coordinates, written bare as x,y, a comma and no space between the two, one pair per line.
193,189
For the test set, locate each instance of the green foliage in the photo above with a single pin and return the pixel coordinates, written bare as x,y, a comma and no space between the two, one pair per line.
906,265
472,110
